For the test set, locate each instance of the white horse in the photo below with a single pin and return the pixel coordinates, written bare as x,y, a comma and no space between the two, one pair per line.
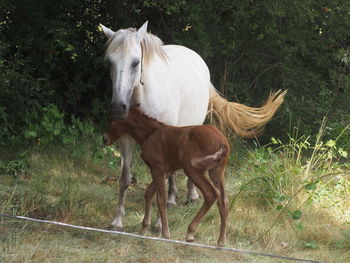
172,84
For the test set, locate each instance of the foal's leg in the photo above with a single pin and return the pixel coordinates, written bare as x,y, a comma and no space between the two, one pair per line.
217,176
126,146
149,194
171,198
159,179
209,193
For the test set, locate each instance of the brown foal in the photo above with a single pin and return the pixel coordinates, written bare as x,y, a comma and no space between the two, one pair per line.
195,149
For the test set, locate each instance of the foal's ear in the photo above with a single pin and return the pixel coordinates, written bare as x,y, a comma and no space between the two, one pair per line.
108,32
140,34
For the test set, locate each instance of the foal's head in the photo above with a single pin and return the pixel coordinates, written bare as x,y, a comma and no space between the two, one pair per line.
117,128
137,124
113,132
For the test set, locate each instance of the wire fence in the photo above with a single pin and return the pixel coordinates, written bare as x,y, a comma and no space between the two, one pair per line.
158,239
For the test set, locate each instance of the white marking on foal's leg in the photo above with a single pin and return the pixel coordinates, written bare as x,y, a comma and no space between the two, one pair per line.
192,195
126,146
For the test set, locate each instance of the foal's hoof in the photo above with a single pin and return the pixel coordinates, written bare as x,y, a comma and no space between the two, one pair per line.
222,244
143,230
189,238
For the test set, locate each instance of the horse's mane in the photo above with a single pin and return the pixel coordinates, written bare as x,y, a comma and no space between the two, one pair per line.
142,117
123,39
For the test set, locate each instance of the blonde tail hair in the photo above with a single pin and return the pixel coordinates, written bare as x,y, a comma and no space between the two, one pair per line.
245,121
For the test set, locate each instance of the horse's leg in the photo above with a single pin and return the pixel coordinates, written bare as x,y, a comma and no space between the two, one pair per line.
149,194
192,195
159,179
217,176
172,189
210,194
126,146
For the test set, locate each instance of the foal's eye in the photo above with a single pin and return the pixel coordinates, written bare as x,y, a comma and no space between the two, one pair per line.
135,63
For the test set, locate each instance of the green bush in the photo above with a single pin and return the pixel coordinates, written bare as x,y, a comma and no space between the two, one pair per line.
52,53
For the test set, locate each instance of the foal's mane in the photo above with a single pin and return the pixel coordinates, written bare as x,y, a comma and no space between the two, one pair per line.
124,39
145,119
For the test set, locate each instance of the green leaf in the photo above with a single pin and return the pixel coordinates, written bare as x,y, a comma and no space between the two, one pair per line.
30,134
330,143
296,214
66,140
70,47
311,186
311,244
273,140
279,207
343,153
299,226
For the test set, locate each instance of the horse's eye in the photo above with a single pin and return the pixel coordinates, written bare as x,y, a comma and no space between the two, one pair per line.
135,63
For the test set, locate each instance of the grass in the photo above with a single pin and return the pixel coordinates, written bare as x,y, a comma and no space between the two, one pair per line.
261,183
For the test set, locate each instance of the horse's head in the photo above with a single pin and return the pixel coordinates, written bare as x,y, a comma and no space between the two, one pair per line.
124,55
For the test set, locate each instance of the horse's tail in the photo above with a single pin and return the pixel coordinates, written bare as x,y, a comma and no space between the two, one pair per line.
209,161
246,122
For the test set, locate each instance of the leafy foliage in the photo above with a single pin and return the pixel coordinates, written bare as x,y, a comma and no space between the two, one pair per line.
51,53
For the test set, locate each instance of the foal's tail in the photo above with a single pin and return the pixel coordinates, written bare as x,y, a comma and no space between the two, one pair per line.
245,121
209,161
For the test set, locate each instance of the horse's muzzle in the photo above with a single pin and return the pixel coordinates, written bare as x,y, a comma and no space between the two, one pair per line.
119,111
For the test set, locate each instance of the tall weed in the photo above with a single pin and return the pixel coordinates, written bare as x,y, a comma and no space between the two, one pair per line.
291,177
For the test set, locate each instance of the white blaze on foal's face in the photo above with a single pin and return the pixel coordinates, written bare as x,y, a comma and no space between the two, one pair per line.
124,56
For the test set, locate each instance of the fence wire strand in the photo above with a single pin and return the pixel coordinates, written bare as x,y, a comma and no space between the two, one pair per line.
158,239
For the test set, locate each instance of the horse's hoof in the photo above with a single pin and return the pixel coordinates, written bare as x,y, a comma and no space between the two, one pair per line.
171,200
158,228
193,197
191,201
117,226
171,204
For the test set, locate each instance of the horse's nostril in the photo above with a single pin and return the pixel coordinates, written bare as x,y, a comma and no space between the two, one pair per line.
124,107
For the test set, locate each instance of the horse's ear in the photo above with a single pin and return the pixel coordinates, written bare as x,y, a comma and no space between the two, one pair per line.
142,32
108,32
